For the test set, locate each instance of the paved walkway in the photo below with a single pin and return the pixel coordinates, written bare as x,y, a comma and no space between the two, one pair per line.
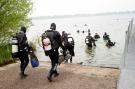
71,77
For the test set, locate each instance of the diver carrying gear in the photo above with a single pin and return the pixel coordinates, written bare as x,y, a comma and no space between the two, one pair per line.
89,40
106,36
53,42
68,42
109,43
23,51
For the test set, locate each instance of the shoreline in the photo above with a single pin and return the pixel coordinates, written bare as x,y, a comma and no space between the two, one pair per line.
72,76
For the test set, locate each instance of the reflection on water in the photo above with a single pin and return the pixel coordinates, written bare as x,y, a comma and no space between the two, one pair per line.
91,53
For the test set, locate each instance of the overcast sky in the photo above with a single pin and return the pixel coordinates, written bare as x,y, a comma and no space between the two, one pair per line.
64,7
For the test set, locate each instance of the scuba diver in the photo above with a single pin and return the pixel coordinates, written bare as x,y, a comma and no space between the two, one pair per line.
78,31
23,49
109,43
106,36
83,31
68,42
96,36
88,30
90,41
85,24
51,41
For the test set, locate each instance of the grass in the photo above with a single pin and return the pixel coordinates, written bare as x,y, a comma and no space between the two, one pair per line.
5,55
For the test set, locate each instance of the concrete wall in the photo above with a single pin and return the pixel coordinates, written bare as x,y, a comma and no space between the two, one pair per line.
127,66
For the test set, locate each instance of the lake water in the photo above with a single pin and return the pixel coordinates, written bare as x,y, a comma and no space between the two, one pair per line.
114,25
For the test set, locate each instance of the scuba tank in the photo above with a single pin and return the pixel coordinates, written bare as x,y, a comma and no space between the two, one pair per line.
14,43
60,50
70,40
87,41
46,43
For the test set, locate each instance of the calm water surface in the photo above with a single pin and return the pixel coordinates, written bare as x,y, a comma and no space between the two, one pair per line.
114,25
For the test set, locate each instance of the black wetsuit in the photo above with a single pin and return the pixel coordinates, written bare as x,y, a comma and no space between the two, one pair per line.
106,37
23,51
91,41
55,38
109,43
96,36
68,46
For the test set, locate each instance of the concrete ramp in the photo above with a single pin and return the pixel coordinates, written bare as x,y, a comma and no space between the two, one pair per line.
127,67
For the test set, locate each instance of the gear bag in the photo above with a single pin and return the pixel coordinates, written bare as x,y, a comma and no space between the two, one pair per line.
63,58
33,59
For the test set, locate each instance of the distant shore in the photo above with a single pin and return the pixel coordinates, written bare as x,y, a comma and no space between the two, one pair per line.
82,15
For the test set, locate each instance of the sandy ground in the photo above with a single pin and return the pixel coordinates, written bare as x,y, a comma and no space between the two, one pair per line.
72,76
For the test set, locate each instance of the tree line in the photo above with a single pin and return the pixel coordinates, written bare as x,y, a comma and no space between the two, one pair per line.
13,14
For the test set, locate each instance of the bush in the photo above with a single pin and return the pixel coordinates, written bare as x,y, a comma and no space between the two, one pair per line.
13,14
5,54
